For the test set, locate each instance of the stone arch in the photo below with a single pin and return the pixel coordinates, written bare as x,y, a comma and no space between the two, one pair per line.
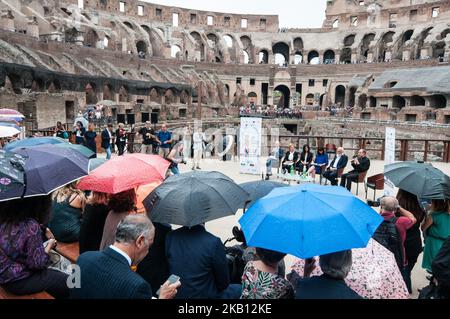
438,101
184,97
421,41
91,38
142,47
365,44
263,57
313,57
406,36
417,100
398,102
38,85
199,45
155,95
54,86
386,39
439,50
156,41
349,40
310,99
247,47
169,97
129,25
14,83
91,93
252,97
339,95
444,33
329,57
281,50
124,95
230,45
215,39
108,92
346,56
282,96
298,44
71,35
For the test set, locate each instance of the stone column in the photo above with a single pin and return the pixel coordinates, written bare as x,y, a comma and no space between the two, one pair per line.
406,55
7,20
33,27
370,57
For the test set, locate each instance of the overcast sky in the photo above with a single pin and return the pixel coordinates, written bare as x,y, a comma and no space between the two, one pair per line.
292,13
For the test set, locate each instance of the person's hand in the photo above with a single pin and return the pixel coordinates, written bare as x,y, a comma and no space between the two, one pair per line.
49,234
310,265
50,245
168,290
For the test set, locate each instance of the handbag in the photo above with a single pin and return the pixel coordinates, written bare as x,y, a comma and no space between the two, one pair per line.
59,262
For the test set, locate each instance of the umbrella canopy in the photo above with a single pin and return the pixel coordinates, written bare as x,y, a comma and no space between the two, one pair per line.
9,130
10,113
46,168
420,179
259,189
82,120
142,193
83,150
374,273
125,172
11,175
95,163
34,141
195,198
309,220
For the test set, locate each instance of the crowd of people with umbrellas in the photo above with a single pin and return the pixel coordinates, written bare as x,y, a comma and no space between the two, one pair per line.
54,193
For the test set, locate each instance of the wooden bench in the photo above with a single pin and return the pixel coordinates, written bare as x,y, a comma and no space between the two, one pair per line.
40,295
70,251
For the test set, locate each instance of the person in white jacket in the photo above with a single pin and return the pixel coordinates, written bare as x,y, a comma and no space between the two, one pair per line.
197,139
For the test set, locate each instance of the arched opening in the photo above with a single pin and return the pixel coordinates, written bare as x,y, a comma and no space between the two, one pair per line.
123,94
329,57
310,99
199,45
175,51
247,48
390,84
91,94
387,38
218,55
398,102
108,93
54,86
298,59
142,48
38,85
231,47
169,97
184,97
351,97
91,38
362,101
313,57
439,50
372,101
444,33
438,101
14,83
321,100
298,44
263,57
281,50
423,35
339,95
155,96
252,98
336,24
228,41
365,44
282,96
417,101
129,25
349,40
346,56
71,35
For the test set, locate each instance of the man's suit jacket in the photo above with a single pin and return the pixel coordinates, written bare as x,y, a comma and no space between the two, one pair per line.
364,165
324,287
343,161
107,275
106,142
199,258
286,157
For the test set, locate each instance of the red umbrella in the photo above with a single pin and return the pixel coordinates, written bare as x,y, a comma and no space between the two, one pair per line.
126,172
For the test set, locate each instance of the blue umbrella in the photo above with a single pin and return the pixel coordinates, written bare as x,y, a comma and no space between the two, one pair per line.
309,220
48,168
33,141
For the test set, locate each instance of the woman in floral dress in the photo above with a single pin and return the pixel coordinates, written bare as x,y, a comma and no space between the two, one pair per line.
261,280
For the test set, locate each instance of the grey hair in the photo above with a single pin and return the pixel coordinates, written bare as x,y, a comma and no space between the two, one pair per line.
133,226
336,265
389,204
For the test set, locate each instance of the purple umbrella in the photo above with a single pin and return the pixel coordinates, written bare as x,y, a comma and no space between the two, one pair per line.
48,168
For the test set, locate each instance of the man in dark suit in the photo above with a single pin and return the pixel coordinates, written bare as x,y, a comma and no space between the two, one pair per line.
360,165
331,284
290,159
339,162
107,135
199,258
108,275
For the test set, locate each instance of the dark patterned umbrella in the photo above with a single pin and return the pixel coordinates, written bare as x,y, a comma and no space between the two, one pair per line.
11,175
195,198
259,189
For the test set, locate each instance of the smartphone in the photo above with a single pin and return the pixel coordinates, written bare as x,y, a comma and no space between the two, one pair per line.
172,279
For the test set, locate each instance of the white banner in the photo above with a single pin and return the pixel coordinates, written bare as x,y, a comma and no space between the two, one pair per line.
250,145
389,158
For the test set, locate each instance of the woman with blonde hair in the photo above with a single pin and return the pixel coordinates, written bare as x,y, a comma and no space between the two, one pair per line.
93,222
68,206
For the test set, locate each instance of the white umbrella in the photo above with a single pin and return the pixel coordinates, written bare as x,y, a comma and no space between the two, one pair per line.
8,131
82,120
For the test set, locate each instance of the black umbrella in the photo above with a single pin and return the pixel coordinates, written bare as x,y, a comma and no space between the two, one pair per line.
195,198
420,179
259,189
11,175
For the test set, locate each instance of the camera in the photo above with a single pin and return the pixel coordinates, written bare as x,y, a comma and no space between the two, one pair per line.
374,203
184,162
